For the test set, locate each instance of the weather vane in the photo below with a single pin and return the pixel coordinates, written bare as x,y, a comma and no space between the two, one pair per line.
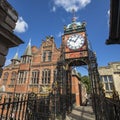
73,11
74,18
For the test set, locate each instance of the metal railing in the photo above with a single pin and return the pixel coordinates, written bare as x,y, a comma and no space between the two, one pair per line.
108,108
28,107
13,108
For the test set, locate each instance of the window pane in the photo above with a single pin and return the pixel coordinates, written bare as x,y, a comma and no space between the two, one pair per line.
55,75
46,76
42,73
48,73
106,86
49,55
44,56
45,73
110,78
43,77
111,86
35,77
105,79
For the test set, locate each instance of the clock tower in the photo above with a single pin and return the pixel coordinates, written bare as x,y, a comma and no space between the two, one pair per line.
74,41
74,52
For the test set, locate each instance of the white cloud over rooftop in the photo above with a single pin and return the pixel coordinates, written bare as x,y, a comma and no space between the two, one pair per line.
21,26
69,5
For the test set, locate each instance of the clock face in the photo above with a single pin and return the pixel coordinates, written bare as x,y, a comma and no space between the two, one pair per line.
75,41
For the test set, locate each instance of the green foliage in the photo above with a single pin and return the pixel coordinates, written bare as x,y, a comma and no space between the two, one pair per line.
86,81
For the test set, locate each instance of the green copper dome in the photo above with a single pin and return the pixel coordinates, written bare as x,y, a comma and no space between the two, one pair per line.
77,24
74,27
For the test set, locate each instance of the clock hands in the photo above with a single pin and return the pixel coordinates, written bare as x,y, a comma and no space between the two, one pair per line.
76,39
75,42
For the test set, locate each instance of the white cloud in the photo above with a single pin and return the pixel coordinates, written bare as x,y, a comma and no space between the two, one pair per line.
54,9
21,25
69,5
108,14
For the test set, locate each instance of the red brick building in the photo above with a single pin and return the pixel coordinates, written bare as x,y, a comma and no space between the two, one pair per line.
35,71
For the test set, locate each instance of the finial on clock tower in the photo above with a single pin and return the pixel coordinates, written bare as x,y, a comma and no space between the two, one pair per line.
74,18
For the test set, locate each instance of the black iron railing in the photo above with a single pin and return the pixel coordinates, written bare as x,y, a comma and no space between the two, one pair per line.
28,107
13,108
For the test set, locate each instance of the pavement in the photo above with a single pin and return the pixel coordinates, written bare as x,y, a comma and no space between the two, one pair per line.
81,113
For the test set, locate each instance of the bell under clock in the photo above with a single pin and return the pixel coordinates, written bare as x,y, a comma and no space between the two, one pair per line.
75,41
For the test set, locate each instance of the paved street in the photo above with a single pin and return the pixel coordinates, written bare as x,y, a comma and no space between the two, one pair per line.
81,113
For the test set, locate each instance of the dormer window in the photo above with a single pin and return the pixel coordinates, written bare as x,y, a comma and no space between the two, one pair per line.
44,56
47,55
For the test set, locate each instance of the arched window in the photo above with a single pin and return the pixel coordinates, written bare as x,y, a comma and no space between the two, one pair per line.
35,77
46,75
13,78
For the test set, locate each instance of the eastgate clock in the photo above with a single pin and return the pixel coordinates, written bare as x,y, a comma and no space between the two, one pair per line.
75,41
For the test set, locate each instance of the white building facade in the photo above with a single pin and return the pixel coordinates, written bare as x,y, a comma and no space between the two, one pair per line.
110,77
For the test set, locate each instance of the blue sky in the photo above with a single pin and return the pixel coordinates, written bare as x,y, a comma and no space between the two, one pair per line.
40,18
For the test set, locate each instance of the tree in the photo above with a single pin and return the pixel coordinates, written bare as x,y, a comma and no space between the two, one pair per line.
86,81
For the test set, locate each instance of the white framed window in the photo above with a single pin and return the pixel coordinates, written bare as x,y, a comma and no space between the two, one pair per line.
35,77
46,75
47,56
22,75
108,82
26,59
